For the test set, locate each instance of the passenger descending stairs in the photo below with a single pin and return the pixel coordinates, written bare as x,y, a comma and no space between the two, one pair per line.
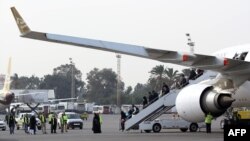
153,111
162,105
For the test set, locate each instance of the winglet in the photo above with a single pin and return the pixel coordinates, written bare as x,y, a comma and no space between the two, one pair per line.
23,27
7,81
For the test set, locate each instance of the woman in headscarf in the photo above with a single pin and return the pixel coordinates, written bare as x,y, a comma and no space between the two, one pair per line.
96,127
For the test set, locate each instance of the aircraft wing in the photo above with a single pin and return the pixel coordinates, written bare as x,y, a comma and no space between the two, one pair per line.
35,93
206,62
63,99
33,97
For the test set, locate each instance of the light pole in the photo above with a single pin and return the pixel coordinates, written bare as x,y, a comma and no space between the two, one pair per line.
118,56
72,65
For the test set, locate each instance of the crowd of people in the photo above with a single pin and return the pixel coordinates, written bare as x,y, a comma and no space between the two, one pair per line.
29,122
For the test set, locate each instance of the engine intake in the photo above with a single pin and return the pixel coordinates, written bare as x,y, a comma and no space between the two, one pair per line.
215,103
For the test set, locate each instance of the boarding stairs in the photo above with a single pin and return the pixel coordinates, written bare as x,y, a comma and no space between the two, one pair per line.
152,111
162,105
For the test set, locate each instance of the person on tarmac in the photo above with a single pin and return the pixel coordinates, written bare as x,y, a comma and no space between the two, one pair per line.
26,121
43,122
33,124
12,123
208,121
123,119
53,123
96,125
63,121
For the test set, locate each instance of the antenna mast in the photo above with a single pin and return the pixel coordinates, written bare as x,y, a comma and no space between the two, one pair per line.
190,43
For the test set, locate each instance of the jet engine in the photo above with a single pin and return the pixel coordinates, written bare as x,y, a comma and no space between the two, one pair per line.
194,101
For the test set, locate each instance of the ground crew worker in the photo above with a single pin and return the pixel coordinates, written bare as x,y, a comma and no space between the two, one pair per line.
53,123
208,121
62,123
50,116
84,116
65,118
43,123
26,123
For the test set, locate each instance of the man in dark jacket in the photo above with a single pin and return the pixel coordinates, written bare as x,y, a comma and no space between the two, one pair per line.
165,89
33,124
150,97
123,119
12,123
53,124
155,96
192,75
145,102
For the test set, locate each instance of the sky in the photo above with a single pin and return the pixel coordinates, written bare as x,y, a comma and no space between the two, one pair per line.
159,24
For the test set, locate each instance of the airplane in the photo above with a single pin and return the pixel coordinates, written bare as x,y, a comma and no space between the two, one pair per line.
230,88
6,96
27,101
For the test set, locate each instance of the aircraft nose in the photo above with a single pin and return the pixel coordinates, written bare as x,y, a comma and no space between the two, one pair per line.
9,97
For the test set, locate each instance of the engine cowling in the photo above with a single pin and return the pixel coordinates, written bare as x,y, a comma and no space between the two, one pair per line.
194,101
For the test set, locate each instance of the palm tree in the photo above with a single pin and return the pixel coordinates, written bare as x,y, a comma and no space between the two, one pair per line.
157,73
171,75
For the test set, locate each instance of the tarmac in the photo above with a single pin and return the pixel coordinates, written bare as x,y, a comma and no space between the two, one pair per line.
111,132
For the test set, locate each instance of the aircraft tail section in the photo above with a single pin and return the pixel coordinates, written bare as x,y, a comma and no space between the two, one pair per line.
23,27
7,81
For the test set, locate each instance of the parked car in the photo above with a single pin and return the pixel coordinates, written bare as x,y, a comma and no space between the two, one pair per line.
3,125
19,120
73,121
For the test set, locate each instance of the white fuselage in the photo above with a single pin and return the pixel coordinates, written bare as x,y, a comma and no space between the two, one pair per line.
242,95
